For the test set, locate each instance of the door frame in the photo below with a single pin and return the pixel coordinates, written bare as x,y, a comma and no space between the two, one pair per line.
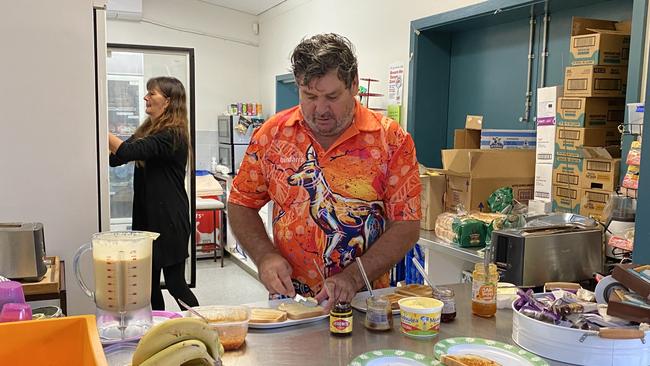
192,121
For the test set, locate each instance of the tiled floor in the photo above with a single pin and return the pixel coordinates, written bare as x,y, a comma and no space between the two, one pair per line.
229,285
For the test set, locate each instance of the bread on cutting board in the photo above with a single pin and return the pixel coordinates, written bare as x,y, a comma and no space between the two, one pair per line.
266,315
299,311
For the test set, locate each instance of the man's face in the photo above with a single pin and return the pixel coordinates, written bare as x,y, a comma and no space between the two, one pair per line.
327,105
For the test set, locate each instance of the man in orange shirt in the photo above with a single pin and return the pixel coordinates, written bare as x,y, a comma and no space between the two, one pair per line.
343,180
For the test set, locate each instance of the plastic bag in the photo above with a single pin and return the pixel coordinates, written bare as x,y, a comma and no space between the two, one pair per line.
500,199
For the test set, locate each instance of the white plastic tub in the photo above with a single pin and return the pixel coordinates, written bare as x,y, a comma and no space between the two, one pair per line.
563,344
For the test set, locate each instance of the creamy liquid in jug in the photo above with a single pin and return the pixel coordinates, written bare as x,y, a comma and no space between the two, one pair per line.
122,284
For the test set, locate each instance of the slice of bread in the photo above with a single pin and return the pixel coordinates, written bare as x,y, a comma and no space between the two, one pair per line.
394,298
415,290
467,360
299,311
266,315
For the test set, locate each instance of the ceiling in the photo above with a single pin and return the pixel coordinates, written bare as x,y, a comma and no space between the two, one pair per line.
254,7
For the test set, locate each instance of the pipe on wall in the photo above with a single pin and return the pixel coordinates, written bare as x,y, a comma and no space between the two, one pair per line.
531,56
544,55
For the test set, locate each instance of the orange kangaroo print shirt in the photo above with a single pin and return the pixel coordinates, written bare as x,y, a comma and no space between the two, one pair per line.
329,206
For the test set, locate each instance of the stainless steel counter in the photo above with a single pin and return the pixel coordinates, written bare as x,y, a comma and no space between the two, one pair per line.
312,344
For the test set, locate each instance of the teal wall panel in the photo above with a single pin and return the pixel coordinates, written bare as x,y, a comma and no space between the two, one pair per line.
286,92
488,77
430,99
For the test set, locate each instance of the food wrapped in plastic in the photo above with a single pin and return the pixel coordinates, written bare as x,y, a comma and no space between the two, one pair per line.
500,199
461,229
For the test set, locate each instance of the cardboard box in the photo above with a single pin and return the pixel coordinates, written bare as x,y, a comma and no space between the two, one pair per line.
567,170
600,169
545,148
547,104
473,175
432,199
508,139
590,112
612,136
538,207
598,42
473,122
566,198
467,139
543,182
593,202
570,140
595,81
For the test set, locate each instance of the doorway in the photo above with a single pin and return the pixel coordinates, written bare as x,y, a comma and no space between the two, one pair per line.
128,68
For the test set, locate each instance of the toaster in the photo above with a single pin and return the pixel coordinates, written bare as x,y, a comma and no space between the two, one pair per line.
532,256
22,251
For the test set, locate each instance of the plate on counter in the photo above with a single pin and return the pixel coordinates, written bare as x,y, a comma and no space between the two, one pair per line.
393,357
504,354
273,304
359,300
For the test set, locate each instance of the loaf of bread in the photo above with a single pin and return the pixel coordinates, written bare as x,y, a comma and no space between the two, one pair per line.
266,315
415,290
467,360
296,310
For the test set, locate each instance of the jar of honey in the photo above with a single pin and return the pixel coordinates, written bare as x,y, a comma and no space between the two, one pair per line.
484,290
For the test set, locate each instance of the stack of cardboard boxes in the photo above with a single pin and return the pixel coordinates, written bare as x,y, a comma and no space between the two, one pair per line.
585,173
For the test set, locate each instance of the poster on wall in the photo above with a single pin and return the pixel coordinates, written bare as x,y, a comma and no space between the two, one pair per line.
395,83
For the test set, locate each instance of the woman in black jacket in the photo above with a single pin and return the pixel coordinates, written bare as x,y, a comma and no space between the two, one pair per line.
160,149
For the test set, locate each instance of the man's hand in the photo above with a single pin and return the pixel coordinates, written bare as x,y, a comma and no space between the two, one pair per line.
275,274
339,288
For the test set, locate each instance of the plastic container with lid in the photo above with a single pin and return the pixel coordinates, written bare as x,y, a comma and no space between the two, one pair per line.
230,321
484,290
420,316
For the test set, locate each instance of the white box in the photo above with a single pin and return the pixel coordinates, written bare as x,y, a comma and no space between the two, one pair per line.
546,104
635,118
508,139
545,148
543,178
537,207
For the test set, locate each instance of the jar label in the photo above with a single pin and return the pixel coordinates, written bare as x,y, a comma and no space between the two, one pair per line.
484,292
340,325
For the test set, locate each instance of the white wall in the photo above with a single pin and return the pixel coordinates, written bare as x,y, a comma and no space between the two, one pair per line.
226,71
379,29
48,132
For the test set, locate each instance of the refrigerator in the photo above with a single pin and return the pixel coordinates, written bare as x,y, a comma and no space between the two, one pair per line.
234,135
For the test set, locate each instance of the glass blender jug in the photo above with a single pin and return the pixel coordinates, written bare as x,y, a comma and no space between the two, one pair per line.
122,266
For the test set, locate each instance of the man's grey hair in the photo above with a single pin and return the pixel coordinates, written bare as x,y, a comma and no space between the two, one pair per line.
316,56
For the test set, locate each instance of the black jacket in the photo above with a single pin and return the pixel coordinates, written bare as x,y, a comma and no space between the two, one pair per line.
160,202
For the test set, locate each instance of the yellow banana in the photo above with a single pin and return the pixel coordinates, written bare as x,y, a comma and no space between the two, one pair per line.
172,331
179,353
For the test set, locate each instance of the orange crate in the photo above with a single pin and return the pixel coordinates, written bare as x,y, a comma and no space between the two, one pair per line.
71,340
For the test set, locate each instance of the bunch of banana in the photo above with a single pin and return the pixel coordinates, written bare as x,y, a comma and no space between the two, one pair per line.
180,341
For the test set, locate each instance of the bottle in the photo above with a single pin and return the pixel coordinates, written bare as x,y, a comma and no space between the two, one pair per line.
379,314
484,290
341,319
213,165
446,295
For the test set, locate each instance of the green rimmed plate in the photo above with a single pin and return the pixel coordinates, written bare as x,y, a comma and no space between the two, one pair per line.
505,354
393,357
